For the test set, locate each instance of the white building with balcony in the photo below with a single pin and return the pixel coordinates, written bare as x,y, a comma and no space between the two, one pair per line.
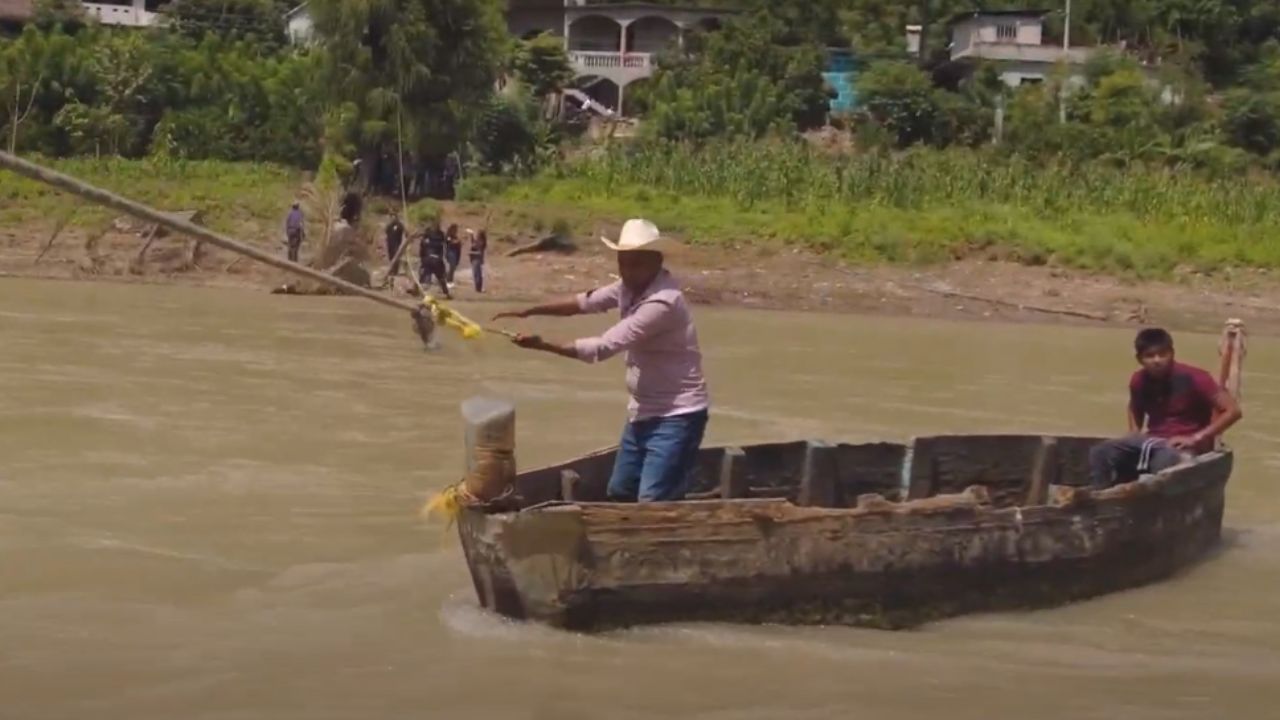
1014,41
611,46
126,13
298,25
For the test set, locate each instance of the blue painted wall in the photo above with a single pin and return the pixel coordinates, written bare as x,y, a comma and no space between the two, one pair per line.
841,73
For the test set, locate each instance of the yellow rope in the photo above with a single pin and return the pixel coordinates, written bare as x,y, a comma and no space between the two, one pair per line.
445,315
447,503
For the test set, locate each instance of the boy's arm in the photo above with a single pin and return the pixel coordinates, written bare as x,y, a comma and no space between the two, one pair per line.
1227,412
1135,413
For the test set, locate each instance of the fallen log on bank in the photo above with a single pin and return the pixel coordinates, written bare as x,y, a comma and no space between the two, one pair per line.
1016,305
551,243
348,269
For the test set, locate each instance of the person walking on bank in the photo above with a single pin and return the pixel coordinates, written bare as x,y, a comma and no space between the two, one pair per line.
395,238
453,250
667,414
294,231
431,258
479,244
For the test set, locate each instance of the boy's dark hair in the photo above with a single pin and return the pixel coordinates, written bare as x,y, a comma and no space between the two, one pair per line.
1152,339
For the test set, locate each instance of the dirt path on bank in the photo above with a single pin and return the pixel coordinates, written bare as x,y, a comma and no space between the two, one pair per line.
750,275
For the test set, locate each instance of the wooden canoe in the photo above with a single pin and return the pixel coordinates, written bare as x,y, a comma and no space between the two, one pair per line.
881,534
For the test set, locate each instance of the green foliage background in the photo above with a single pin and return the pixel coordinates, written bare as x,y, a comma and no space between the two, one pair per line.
1164,155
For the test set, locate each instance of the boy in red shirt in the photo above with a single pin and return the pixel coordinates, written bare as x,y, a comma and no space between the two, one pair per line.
1176,404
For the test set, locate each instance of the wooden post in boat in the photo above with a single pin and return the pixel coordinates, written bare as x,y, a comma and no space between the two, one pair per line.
1231,352
733,474
490,441
569,482
1043,474
818,476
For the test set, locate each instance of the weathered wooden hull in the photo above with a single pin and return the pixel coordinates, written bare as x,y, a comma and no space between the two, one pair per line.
1024,534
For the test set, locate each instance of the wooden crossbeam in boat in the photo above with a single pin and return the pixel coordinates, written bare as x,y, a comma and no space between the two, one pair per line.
818,476
733,473
1043,472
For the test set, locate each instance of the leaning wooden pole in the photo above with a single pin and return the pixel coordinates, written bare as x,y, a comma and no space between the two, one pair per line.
1231,350
79,188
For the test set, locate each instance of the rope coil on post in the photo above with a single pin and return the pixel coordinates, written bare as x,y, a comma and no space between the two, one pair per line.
491,463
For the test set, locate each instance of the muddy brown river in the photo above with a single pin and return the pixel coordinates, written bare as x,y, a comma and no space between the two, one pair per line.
208,511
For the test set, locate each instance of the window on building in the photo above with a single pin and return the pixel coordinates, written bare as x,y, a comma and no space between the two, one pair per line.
1007,31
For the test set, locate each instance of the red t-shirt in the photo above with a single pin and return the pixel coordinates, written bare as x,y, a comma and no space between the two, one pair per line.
1181,404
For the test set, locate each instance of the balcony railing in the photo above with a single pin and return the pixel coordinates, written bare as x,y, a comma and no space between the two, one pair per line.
589,60
1029,53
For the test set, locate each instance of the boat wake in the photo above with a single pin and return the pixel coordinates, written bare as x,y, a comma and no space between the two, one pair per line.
462,615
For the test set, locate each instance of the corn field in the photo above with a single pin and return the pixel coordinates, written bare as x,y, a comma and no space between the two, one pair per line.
930,205
797,176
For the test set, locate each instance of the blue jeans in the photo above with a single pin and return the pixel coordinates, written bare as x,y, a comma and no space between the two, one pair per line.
452,256
656,457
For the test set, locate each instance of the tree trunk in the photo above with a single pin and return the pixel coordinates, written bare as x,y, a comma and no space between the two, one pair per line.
924,33
364,179
13,119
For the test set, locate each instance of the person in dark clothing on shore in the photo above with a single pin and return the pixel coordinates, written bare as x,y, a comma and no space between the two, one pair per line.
1175,412
452,251
479,244
431,248
395,237
294,230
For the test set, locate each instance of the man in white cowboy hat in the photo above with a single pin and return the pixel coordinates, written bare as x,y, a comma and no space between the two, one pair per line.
667,414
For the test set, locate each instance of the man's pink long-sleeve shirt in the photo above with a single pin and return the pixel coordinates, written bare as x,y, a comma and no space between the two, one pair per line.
664,364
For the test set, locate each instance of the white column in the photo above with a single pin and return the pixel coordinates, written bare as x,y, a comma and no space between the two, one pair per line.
1066,29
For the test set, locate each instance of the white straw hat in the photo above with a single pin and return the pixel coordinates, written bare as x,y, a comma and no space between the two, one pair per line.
638,234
